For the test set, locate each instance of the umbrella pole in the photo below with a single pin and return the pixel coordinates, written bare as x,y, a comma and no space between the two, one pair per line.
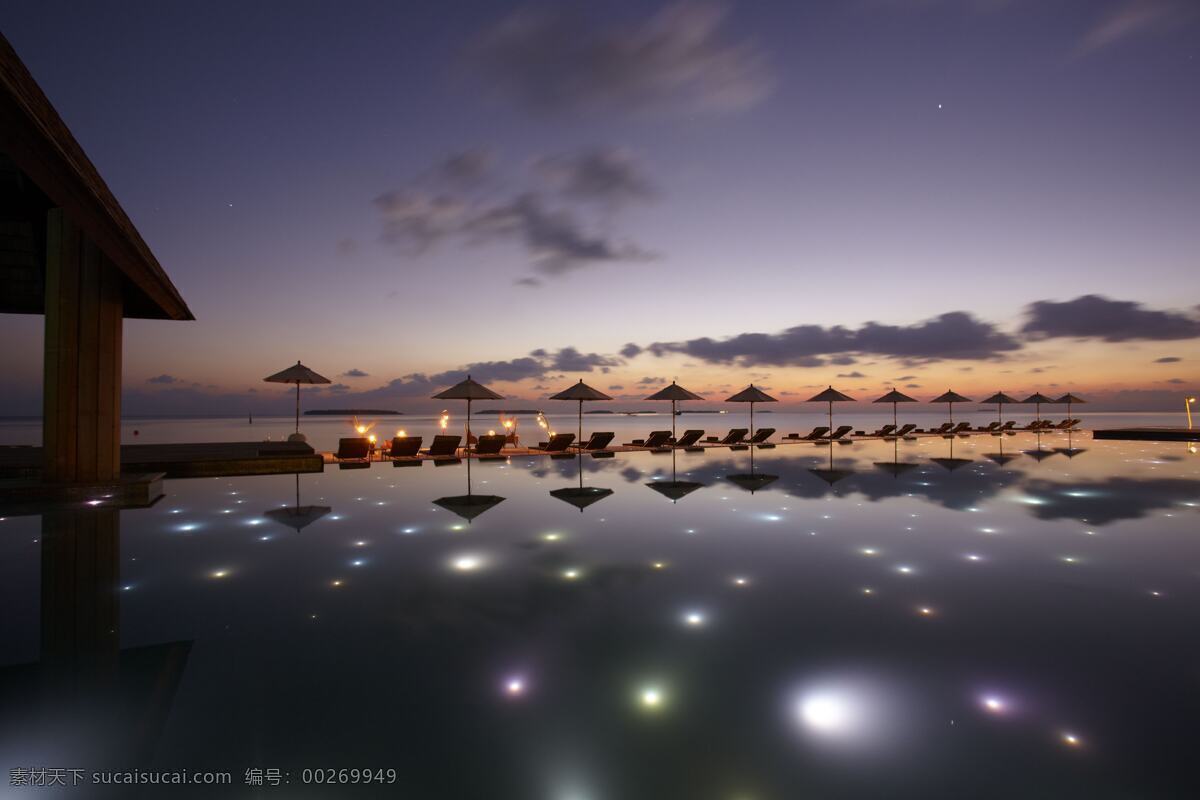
895,422
467,428
579,441
751,419
297,406
672,422
831,416
951,412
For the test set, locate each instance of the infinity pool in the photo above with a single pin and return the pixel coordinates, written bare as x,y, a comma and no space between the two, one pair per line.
985,617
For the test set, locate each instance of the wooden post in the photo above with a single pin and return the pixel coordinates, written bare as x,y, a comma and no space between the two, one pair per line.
81,407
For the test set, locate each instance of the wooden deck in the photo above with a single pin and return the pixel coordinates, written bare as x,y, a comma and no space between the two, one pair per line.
199,460
1149,434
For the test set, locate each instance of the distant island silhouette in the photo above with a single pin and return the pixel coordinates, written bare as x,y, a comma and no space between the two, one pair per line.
352,412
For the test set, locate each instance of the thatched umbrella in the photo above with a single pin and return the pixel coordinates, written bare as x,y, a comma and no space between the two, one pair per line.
297,517
1069,399
831,396
674,489
754,481
581,392
1001,400
581,496
468,390
751,394
951,398
675,393
1037,398
297,374
894,397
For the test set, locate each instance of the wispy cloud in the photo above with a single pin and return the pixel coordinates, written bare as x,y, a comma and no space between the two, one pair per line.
678,59
552,215
1130,19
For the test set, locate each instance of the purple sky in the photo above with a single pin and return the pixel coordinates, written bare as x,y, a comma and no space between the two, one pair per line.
403,190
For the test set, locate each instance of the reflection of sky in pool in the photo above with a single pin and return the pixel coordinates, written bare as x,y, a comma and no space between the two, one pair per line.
901,621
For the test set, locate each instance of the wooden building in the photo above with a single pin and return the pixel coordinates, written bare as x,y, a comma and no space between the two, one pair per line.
69,251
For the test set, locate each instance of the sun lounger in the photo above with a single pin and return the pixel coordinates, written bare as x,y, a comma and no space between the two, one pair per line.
836,436
943,428
991,426
490,445
356,450
443,447
1068,424
404,447
598,441
558,443
761,435
735,436
884,431
904,431
689,439
812,436
656,440
961,429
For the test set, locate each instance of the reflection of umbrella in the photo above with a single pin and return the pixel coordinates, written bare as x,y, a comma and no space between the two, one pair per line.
951,398
831,396
1069,398
674,393
952,463
297,374
1037,398
751,395
1002,457
297,517
468,390
1001,400
1039,454
895,466
1069,451
829,474
894,397
469,506
674,490
754,481
581,496
580,391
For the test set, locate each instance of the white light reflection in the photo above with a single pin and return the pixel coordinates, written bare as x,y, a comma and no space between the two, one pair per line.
856,713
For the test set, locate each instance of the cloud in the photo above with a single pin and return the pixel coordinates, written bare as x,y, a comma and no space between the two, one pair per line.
466,169
953,335
650,381
1130,19
559,228
568,359
163,379
616,387
554,239
1176,381
609,176
1168,360
552,61
355,373
1096,317
631,350
854,374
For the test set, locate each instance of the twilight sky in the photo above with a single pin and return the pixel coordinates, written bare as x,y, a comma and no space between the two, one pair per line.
977,194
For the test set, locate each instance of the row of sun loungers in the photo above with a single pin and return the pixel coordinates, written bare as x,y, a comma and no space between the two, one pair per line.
407,449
